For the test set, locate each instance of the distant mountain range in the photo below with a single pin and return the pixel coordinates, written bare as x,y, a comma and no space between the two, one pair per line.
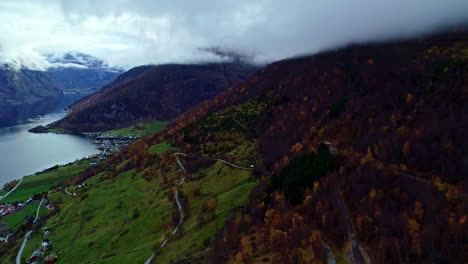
67,73
153,92
76,72
25,86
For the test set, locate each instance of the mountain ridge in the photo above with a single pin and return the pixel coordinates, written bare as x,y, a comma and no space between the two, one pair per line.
359,154
79,73
162,92
25,86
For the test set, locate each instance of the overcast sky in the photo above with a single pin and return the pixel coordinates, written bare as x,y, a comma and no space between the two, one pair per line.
135,32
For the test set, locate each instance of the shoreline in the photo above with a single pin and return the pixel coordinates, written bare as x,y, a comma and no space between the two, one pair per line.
105,143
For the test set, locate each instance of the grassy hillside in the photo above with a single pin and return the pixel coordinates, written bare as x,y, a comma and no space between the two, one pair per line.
101,224
43,182
393,117
159,92
15,219
140,128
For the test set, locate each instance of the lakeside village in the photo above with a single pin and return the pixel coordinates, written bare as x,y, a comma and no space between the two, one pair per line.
106,143
110,143
44,253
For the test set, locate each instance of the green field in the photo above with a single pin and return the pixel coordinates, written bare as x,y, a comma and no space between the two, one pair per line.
35,185
160,148
140,128
230,187
15,219
44,181
102,225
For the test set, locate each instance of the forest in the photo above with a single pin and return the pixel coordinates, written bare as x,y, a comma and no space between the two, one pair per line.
369,139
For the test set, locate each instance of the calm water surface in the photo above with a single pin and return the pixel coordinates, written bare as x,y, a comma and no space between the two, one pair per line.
23,153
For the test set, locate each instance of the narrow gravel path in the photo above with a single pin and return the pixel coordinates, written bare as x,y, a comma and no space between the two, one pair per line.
359,256
23,245
12,190
179,206
331,257
27,236
414,178
37,212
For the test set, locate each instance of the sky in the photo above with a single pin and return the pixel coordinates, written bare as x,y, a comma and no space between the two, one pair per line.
135,32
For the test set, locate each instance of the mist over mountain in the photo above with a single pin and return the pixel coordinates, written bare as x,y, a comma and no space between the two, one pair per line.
242,131
78,73
139,32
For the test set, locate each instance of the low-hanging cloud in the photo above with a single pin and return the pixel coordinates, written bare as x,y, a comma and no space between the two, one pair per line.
134,32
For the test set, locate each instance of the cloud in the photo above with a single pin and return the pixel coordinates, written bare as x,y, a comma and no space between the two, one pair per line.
134,32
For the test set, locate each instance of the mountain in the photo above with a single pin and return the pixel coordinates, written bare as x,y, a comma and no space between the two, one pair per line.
78,73
152,92
359,155
25,86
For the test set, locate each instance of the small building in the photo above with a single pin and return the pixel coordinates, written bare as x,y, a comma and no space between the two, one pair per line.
46,230
46,244
36,257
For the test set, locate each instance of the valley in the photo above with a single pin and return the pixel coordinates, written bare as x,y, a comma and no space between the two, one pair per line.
351,155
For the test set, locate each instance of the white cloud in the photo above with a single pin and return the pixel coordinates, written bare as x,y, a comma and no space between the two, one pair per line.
133,32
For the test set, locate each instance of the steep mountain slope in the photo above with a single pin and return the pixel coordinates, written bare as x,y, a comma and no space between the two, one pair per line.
25,86
77,73
394,117
395,113
152,92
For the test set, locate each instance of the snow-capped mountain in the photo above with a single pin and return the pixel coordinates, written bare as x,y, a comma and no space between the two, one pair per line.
76,72
74,59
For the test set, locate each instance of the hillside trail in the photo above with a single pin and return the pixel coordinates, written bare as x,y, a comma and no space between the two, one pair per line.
178,186
359,256
27,236
12,190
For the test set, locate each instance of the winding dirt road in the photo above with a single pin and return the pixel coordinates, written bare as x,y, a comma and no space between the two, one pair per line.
359,256
12,190
179,206
27,236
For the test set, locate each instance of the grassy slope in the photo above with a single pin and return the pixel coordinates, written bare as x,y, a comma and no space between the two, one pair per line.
37,184
44,181
230,187
160,148
101,227
140,129
15,219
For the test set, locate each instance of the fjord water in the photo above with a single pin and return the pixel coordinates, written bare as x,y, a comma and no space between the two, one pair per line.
24,153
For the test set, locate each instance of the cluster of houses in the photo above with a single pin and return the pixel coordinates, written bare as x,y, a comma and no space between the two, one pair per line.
38,255
6,209
9,207
110,143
